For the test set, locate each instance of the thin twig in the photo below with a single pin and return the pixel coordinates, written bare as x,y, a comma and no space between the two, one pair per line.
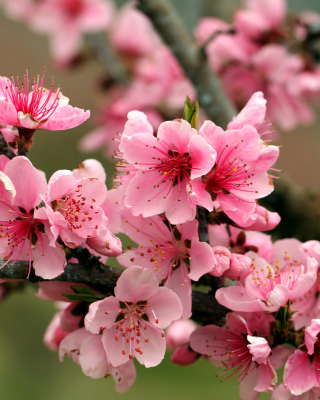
174,33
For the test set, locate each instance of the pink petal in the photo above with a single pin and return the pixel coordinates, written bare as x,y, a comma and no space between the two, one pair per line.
259,348
101,314
124,376
29,183
253,113
92,358
52,291
8,113
90,169
48,262
136,284
202,259
176,134
203,156
237,299
310,335
70,345
165,307
66,117
107,245
299,374
182,287
280,355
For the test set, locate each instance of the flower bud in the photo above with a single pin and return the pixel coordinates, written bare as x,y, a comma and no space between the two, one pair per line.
107,245
184,355
239,267
222,256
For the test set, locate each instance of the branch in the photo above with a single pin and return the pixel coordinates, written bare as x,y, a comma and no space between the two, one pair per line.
174,33
5,149
103,278
107,57
299,210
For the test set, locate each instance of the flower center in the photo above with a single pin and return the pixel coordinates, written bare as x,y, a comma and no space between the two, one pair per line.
17,231
133,326
38,102
79,212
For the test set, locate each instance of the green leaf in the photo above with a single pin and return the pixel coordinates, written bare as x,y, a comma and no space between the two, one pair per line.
191,113
195,116
81,290
81,297
188,109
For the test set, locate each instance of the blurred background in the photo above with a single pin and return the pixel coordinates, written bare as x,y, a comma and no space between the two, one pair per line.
27,369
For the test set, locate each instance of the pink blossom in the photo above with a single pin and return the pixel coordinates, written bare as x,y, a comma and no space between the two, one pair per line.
262,18
240,266
175,255
133,321
107,245
73,207
87,350
166,165
66,21
184,355
235,181
281,393
272,70
90,169
54,334
301,372
235,348
132,33
179,332
31,107
268,287
54,290
113,116
223,258
25,230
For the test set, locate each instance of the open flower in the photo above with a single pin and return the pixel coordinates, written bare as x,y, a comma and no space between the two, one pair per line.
25,229
133,321
31,106
87,350
175,255
268,287
166,165
236,349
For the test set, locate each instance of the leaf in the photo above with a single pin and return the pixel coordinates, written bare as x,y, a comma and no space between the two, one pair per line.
89,298
188,110
195,116
191,113
81,290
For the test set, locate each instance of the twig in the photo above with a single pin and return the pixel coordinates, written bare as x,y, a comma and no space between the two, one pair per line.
108,58
103,278
174,33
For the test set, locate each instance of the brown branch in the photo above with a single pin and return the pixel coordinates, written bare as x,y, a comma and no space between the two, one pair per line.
175,34
5,149
107,57
103,278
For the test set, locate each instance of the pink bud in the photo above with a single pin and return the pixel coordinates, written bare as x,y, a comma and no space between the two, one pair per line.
54,334
183,355
108,245
239,267
68,321
222,256
266,220
179,332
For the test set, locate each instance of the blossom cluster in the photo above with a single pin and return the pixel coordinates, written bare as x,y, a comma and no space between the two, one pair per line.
186,192
255,52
